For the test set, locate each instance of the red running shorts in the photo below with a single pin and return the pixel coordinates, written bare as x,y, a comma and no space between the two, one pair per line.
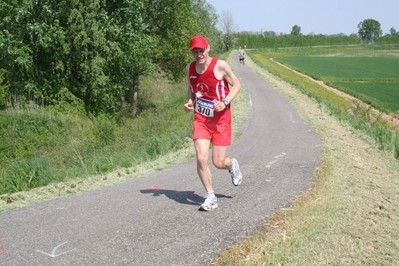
219,134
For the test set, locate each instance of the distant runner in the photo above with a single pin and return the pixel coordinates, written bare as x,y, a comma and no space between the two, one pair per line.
242,58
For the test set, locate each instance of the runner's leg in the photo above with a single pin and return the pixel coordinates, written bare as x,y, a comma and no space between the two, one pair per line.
202,150
219,158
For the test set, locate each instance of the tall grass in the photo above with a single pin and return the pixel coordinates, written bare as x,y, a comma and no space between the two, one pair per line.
40,146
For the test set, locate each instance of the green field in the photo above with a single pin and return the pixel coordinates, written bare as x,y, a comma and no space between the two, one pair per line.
372,79
366,73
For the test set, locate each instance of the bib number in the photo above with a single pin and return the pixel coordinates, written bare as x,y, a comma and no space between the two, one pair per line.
204,107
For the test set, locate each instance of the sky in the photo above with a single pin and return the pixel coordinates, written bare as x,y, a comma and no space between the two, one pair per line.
313,16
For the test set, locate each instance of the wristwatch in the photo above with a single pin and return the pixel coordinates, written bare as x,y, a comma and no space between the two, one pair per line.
226,102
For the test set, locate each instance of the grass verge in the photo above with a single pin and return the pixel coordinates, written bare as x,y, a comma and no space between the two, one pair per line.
120,159
350,214
359,115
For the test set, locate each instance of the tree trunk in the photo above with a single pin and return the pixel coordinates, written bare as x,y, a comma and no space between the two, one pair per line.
134,95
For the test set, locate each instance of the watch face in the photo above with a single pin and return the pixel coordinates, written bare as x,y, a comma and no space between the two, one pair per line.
225,102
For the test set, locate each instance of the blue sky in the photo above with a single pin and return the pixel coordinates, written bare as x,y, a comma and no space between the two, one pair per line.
317,16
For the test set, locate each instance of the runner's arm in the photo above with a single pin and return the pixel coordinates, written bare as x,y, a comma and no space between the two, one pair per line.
231,78
189,106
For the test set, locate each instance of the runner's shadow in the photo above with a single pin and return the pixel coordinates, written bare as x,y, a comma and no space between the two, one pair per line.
183,197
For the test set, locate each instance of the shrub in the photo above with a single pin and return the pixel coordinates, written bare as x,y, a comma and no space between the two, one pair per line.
104,129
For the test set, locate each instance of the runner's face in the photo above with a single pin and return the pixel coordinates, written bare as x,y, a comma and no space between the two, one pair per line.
200,54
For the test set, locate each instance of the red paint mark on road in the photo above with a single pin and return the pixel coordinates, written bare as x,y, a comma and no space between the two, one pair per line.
3,249
153,188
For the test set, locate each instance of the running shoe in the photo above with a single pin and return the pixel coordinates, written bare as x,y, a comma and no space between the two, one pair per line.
209,204
236,175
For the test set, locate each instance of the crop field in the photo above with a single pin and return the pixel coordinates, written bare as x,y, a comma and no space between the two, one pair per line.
371,76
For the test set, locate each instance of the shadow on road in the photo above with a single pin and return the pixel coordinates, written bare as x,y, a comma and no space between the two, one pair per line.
183,197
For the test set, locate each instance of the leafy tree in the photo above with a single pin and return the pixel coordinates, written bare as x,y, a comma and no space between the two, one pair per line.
388,39
296,30
207,19
270,33
92,52
171,23
288,40
78,49
369,30
136,49
228,28
393,31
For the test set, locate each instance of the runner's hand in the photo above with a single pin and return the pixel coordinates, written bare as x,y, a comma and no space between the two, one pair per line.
219,106
189,106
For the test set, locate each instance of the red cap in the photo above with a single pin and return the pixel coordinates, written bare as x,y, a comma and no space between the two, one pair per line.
198,42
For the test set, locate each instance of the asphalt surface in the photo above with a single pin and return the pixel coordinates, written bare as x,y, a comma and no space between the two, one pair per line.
154,219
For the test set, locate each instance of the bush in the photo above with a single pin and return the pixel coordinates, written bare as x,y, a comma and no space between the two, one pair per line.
104,129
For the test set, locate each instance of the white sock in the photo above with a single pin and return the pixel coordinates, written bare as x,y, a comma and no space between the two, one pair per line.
210,194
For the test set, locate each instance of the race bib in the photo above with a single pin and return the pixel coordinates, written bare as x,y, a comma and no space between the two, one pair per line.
204,107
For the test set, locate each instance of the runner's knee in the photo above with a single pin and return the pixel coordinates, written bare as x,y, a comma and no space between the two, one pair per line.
219,163
202,159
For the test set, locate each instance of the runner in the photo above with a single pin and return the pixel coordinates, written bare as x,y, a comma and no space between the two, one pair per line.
241,58
209,96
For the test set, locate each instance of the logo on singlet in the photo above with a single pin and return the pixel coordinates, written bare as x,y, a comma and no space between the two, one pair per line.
193,77
202,88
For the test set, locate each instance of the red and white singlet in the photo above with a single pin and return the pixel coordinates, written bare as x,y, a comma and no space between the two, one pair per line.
207,88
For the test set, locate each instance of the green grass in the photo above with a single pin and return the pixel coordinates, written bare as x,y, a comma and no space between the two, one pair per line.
382,95
40,146
54,152
360,117
374,80
343,50
345,68
349,215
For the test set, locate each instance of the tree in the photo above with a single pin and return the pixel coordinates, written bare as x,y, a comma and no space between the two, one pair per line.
3,89
228,28
81,51
369,30
393,31
296,30
31,38
207,19
172,23
269,33
92,53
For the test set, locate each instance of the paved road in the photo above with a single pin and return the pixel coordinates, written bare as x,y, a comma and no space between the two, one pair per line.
153,220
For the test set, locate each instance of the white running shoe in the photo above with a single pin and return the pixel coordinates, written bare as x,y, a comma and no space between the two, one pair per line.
209,204
236,175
